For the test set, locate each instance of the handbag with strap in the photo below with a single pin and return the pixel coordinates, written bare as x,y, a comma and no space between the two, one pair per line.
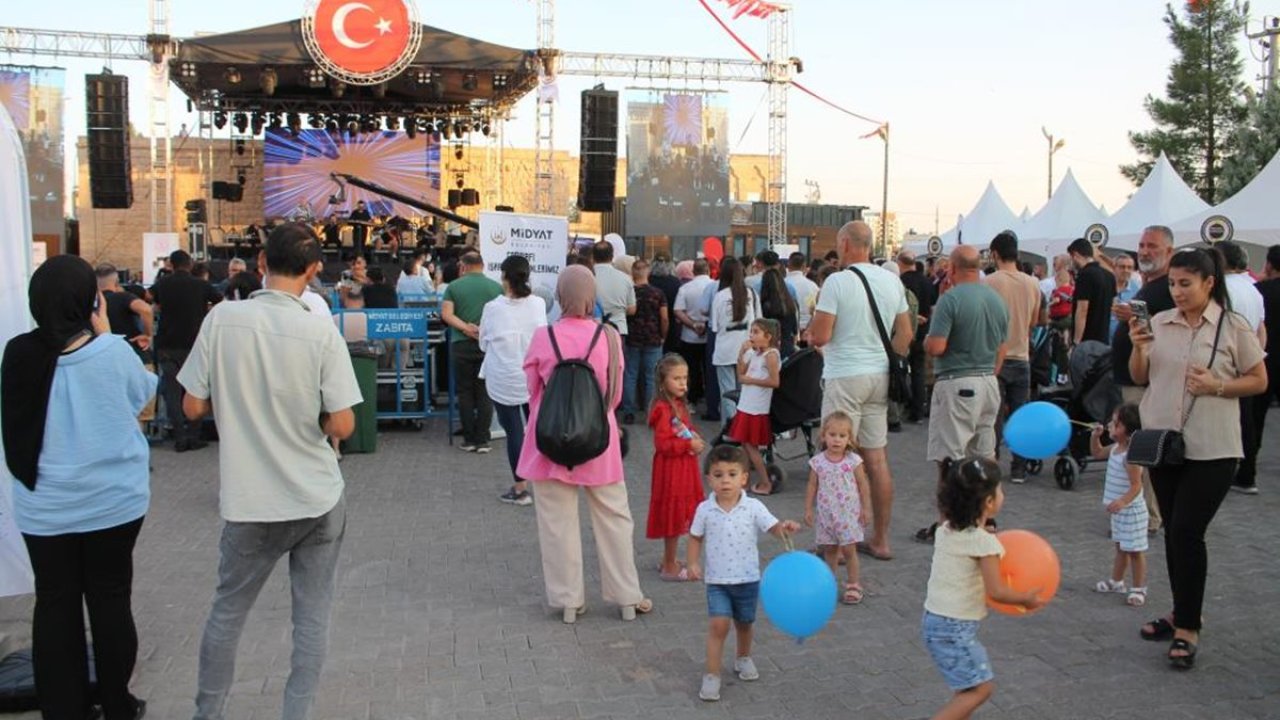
899,367
1167,448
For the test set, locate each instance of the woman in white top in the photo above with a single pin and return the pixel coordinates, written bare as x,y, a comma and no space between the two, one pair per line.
506,327
733,310
415,280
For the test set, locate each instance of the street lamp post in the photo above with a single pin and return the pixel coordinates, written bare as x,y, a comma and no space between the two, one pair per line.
1053,148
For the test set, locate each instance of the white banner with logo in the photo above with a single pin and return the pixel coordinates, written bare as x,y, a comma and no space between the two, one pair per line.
542,239
155,250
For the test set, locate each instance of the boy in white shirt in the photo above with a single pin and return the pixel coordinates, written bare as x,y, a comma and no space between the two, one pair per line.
729,523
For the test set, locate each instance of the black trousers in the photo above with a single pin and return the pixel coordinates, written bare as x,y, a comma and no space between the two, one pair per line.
1189,496
694,355
474,404
171,362
919,395
75,571
1258,407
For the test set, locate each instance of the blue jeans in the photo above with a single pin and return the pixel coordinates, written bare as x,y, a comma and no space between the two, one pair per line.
953,645
248,553
641,363
512,419
727,379
737,601
713,387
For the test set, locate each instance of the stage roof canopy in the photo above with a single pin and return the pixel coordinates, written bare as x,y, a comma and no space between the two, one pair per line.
268,69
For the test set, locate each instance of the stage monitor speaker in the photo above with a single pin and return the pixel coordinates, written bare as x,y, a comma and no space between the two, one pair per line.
470,197
455,198
107,121
504,208
231,192
598,166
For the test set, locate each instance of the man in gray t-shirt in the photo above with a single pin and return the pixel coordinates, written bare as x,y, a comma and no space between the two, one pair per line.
966,339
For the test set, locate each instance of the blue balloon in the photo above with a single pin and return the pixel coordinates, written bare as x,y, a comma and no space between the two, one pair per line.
799,593
1037,430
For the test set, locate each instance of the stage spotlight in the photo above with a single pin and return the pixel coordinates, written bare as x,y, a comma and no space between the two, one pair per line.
410,128
295,123
232,75
314,77
219,119
500,81
275,122
391,122
257,123
353,127
241,122
460,129
188,71
331,126
459,181
267,81
241,179
315,120
469,82
457,153
239,145
338,88
370,124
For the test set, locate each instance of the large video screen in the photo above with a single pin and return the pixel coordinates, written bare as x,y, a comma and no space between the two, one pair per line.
677,164
296,171
33,97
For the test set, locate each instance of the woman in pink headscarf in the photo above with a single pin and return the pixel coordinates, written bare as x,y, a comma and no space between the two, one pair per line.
684,271
556,488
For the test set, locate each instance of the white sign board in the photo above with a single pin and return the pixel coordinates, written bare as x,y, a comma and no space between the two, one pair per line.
543,239
155,249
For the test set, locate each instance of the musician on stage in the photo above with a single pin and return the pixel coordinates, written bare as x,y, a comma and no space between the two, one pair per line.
361,221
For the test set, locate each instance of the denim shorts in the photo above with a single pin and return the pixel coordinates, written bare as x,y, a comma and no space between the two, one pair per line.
953,645
735,601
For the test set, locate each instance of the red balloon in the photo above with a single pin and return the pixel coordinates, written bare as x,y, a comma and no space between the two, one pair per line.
1029,563
712,248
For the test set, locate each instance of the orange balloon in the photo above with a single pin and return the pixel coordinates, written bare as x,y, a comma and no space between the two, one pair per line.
1029,563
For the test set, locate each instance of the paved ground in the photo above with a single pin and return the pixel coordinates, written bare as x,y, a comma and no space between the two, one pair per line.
440,612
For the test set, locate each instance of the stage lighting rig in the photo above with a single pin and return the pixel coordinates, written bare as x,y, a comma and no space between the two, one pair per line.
267,81
256,123
239,146
275,122
391,122
232,75
188,71
219,119
315,121
241,122
410,128
500,81
470,82
314,77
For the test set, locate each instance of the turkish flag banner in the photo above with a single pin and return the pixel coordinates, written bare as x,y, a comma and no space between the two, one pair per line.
363,37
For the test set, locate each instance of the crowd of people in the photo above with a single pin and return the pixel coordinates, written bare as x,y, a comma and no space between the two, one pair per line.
662,341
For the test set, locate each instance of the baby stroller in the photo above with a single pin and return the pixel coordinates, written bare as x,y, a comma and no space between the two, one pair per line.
1090,398
796,405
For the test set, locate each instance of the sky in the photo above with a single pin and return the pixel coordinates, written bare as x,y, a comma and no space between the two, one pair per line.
965,86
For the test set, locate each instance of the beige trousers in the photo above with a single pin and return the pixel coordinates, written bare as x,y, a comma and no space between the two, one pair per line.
1132,394
560,538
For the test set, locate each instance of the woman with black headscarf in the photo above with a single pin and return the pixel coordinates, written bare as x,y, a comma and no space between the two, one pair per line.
70,393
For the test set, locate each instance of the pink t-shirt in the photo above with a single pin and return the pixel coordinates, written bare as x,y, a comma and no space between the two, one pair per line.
573,335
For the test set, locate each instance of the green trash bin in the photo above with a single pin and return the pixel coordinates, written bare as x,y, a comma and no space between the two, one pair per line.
364,359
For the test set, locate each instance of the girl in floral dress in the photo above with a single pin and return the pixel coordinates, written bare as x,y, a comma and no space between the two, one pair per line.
837,500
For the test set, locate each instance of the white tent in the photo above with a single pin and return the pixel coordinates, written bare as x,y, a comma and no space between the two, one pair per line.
15,270
988,218
1063,219
1025,217
1252,212
1163,199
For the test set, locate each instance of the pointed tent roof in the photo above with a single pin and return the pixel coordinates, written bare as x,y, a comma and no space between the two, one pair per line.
1025,216
1252,212
1063,219
1163,199
989,216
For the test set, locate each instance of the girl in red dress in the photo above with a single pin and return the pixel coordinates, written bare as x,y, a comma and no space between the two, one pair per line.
759,364
677,481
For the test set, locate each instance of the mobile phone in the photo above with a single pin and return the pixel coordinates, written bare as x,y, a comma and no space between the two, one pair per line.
1139,308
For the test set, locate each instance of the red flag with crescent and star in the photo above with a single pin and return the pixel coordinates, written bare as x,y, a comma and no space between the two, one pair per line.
362,36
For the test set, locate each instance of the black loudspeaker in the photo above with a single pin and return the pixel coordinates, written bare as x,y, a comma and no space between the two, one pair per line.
598,166
505,208
197,212
470,197
110,174
455,198
231,192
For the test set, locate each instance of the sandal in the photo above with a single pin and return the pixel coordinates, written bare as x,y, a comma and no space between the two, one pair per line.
644,607
1160,630
1183,662
925,535
682,576
1137,597
1112,586
852,594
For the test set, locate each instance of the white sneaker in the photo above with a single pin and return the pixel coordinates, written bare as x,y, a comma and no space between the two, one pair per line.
746,669
710,688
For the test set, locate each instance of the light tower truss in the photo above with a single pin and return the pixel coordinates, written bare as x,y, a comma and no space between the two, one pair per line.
776,70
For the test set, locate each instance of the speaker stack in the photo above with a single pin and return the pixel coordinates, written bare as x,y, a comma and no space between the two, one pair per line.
110,175
598,166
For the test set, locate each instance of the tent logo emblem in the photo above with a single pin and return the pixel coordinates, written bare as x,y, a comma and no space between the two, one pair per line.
1097,235
362,42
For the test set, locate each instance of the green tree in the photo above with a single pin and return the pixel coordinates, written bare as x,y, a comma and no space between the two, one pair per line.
1255,142
1204,96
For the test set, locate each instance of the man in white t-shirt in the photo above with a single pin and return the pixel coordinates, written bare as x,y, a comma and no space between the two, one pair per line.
615,291
805,290
856,368
281,380
692,311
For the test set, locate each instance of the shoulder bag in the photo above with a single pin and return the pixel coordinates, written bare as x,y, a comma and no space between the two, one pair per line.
899,368
1166,448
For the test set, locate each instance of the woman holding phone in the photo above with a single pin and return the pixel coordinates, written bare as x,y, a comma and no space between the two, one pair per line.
1211,353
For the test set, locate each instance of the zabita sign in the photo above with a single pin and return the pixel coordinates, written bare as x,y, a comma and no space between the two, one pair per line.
542,239
362,42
